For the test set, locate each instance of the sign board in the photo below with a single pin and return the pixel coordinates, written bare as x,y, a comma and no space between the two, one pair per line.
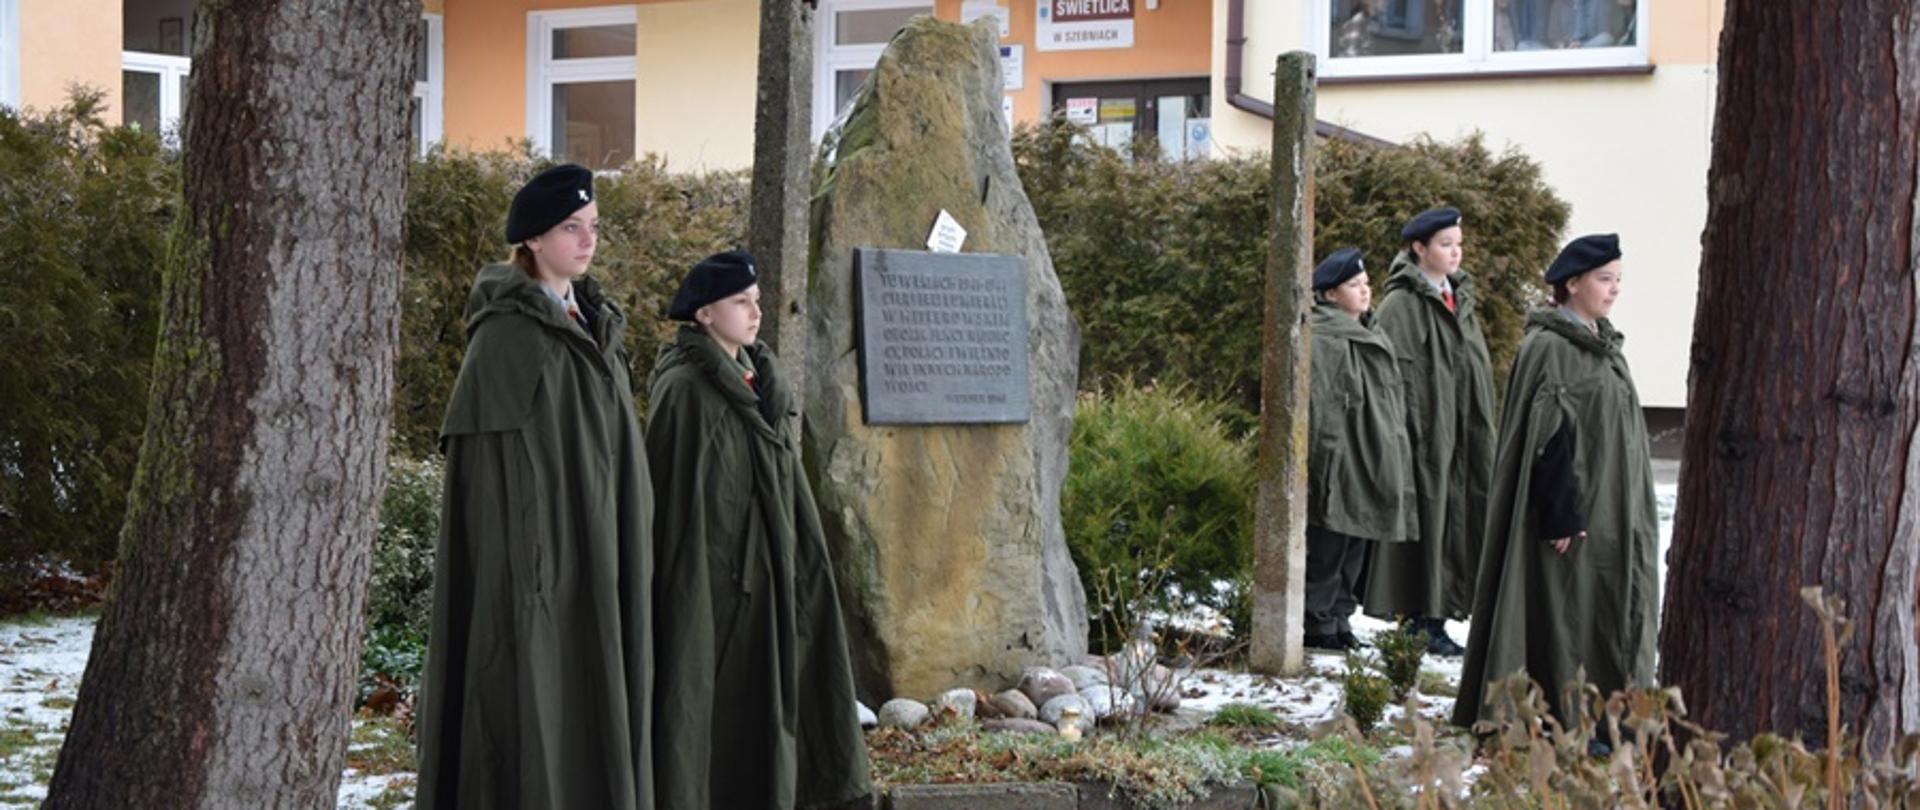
1083,110
947,235
1078,25
1199,137
1013,66
942,337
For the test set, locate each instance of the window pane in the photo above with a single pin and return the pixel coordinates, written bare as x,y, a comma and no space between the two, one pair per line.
873,26
140,99
593,41
1535,25
157,26
593,123
422,69
1396,27
845,84
182,120
419,121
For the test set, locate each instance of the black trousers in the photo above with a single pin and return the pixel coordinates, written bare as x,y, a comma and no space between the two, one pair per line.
1335,564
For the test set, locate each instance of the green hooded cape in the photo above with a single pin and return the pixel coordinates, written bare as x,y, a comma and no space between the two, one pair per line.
1359,464
538,676
1448,380
1596,606
755,700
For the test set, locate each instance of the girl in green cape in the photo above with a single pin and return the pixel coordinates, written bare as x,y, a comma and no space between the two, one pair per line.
755,702
1359,465
1568,580
537,685
1431,311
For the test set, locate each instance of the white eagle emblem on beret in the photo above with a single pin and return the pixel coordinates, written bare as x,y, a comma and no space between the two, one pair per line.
583,195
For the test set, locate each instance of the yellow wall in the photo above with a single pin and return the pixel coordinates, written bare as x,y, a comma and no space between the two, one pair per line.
1173,41
486,62
698,74
68,43
697,68
1629,153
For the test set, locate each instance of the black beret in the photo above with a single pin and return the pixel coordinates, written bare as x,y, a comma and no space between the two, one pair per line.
1336,269
1583,254
714,278
547,200
1429,222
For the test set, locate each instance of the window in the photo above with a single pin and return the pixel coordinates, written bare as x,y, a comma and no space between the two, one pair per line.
156,39
1173,112
429,85
1359,38
10,53
850,34
580,85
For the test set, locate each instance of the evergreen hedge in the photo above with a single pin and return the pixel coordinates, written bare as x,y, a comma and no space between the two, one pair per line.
1162,263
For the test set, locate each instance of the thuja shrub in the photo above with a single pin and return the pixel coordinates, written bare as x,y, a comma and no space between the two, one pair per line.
1163,263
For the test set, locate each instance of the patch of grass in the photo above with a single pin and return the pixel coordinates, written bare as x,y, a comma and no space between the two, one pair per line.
32,618
1147,771
1288,767
1434,684
380,745
61,702
16,738
1244,715
399,792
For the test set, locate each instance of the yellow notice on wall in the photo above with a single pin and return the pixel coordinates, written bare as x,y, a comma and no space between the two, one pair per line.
1117,109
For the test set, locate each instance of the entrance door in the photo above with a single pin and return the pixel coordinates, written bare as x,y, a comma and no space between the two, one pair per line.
1173,113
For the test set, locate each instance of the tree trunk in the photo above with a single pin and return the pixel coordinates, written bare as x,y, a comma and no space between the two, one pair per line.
1800,463
223,667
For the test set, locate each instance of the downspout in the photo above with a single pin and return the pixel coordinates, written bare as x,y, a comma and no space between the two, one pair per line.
1239,100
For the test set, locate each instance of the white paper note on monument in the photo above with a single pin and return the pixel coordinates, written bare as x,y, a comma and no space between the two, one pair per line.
947,234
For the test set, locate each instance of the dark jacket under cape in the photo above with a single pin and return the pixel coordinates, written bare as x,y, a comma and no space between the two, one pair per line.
1359,464
1449,385
755,697
1597,606
538,676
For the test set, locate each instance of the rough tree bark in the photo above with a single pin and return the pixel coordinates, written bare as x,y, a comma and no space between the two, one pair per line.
1800,464
223,667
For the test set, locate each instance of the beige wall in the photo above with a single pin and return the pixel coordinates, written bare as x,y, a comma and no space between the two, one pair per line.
1628,152
698,73
68,43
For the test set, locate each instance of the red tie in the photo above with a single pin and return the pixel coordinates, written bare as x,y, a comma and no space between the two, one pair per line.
1446,296
747,377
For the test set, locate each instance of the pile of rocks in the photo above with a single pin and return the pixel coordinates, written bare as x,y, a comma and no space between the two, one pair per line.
1071,700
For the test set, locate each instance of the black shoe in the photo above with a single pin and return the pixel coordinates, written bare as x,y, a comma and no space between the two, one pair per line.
1327,641
1351,641
1438,642
1599,749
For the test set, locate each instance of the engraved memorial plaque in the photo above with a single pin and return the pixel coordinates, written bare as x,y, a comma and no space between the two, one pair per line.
942,337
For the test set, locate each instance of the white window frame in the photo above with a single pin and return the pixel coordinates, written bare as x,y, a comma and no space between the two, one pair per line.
1477,56
431,89
10,53
543,71
829,59
171,69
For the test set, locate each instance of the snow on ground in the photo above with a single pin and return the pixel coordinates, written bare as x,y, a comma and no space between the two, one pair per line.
41,662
